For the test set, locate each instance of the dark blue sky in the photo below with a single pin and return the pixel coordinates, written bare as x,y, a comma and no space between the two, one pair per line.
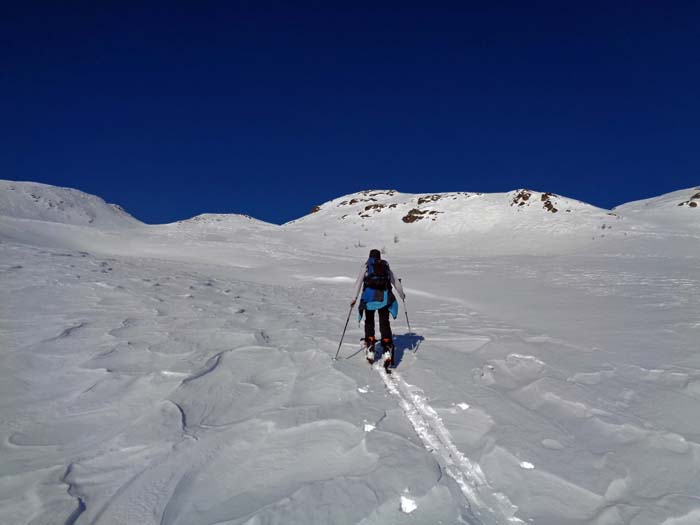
268,109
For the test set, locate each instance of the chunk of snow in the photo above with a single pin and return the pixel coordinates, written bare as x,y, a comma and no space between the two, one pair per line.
526,465
408,505
168,373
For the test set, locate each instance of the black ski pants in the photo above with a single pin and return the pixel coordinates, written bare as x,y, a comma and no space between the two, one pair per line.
384,326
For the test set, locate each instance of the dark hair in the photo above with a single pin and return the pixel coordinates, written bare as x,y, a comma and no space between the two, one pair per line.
376,254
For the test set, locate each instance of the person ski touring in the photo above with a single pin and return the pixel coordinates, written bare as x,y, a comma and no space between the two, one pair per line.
377,282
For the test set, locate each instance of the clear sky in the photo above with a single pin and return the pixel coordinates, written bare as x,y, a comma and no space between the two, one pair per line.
269,108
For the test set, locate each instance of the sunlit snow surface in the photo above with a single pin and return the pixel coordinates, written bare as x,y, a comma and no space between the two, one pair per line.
183,374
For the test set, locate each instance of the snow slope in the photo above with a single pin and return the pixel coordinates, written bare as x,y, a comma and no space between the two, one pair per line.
42,202
516,222
182,373
499,223
61,218
677,210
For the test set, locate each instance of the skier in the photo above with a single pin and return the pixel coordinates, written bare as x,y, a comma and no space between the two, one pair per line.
376,280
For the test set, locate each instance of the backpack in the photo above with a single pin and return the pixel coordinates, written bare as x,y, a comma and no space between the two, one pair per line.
378,274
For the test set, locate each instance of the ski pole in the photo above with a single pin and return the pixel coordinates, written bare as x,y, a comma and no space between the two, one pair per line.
346,327
415,348
343,336
406,312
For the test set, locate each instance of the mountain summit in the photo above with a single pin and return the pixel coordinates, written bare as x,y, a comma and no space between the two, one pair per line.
459,221
448,210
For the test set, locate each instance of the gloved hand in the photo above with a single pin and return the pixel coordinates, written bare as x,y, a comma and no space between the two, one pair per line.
353,303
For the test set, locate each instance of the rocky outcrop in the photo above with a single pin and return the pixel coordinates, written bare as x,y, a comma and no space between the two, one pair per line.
692,202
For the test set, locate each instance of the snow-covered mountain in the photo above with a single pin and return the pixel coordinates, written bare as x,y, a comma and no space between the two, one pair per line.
182,373
678,210
520,221
44,215
450,213
687,198
43,202
517,222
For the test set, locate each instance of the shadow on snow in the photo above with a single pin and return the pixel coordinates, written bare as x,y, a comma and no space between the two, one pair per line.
402,343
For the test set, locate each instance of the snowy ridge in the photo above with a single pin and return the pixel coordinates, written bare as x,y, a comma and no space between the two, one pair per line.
519,221
490,506
31,200
224,221
451,213
440,207
675,211
689,197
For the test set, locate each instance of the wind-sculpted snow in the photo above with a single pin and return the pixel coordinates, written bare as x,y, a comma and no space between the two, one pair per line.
183,374
157,393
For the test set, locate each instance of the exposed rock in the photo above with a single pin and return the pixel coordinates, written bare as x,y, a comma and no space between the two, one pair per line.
692,202
521,198
414,215
376,207
429,198
549,206
374,193
357,201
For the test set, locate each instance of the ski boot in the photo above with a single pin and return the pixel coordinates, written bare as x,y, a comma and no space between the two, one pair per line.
388,353
369,343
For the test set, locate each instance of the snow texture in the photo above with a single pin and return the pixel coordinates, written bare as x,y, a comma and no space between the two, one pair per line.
183,373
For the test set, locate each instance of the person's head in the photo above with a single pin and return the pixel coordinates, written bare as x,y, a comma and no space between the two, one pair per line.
376,254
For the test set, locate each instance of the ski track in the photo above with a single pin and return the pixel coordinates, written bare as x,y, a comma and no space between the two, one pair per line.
489,506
